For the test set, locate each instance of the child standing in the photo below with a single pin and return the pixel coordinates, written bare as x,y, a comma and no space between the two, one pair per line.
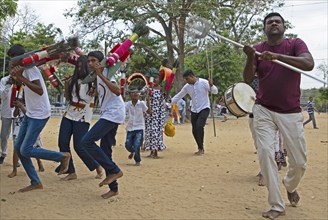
136,124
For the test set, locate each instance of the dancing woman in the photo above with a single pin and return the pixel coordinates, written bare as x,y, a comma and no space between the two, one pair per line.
77,117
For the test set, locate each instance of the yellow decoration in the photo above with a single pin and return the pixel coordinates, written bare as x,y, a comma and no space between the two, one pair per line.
133,37
169,128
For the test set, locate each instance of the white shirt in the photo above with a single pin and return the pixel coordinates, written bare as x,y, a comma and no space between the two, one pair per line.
80,114
37,107
136,115
198,93
5,91
112,106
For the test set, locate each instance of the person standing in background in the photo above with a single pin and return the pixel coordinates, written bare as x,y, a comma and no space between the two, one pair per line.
6,114
310,109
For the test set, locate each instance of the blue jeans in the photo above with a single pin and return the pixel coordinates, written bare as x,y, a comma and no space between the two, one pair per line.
133,143
311,118
104,131
28,133
69,128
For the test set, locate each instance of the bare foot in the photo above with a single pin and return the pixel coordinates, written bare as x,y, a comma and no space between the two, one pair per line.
31,187
111,178
13,174
131,156
155,155
100,172
151,154
64,163
109,194
40,165
41,168
261,180
200,152
71,176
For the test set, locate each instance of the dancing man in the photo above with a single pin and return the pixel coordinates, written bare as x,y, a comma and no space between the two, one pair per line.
277,107
37,115
112,114
198,90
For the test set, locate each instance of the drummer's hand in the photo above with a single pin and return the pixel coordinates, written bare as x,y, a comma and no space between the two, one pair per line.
249,51
266,55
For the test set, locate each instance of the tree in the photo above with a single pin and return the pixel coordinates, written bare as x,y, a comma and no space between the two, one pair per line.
323,68
168,20
7,8
322,100
21,25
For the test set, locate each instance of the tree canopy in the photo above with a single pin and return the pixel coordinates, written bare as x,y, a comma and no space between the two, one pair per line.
110,20
7,8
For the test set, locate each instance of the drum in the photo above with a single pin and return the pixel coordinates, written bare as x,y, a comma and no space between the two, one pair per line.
239,99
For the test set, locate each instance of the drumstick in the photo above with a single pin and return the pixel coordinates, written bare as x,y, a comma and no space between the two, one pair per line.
200,28
210,77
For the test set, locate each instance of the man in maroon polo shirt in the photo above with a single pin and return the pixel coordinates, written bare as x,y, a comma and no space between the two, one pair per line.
277,107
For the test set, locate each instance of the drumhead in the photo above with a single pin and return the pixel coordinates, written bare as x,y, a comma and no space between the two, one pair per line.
244,96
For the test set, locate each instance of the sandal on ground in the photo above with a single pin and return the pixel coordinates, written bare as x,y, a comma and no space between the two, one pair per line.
273,214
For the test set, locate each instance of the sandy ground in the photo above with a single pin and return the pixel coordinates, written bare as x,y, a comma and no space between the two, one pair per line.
222,184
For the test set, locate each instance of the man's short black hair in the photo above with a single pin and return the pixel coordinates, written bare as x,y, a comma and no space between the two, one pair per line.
97,54
16,50
188,73
271,15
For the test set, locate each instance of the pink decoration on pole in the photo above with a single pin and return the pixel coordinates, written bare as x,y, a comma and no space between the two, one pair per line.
117,54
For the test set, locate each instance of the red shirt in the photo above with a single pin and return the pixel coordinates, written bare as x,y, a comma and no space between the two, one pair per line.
279,87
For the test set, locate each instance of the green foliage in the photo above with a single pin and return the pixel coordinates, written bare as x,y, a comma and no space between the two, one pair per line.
226,64
321,101
7,8
41,36
239,20
320,97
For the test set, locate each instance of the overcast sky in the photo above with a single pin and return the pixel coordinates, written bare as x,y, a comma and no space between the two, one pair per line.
309,19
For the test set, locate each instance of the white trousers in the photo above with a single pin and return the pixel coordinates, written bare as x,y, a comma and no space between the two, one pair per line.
266,124
6,128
